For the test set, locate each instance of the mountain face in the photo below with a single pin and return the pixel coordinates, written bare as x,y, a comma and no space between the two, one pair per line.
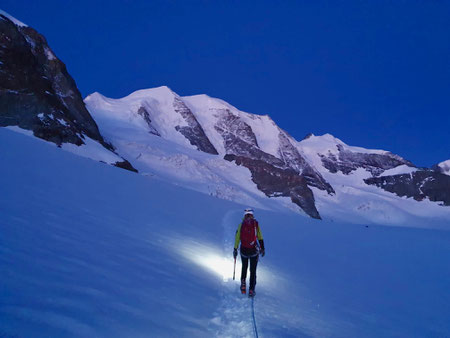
347,161
418,185
189,140
213,127
38,94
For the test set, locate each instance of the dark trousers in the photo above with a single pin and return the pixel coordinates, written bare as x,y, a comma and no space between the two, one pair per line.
253,263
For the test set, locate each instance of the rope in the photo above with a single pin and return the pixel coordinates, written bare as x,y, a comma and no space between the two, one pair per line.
254,320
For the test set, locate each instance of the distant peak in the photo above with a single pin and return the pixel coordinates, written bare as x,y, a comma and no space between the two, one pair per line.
325,137
330,137
94,96
12,19
162,91
97,99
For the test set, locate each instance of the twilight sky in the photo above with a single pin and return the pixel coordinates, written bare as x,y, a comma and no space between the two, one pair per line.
375,74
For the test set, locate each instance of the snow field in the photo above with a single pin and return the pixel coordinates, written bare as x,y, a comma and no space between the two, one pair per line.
87,249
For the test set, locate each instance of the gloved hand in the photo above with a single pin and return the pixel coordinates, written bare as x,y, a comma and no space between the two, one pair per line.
262,252
235,253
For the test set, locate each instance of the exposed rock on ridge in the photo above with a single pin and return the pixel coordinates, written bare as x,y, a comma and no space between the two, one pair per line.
418,185
292,158
288,175
276,182
142,111
193,131
348,161
36,92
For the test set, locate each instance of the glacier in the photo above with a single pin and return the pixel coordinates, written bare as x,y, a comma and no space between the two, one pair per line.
87,249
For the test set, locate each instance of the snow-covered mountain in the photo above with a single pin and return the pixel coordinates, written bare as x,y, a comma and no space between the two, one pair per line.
161,133
211,146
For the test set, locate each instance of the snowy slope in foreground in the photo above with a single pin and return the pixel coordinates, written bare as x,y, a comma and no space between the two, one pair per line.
90,149
89,250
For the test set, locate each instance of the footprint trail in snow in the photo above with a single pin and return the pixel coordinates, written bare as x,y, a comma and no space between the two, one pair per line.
233,318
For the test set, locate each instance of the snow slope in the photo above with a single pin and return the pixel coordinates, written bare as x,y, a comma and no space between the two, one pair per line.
90,149
89,250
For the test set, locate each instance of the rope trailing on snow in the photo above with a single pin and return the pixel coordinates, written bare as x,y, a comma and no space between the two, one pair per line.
254,320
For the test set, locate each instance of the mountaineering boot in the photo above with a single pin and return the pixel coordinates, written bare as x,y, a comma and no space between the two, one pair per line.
243,287
251,293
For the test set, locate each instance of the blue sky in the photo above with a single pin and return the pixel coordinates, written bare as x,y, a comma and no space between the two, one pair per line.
375,74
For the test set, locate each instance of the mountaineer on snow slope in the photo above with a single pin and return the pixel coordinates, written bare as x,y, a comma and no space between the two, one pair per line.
252,244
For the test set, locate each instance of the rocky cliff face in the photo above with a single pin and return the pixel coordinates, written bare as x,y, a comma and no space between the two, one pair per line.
347,161
36,92
279,182
419,185
193,131
287,174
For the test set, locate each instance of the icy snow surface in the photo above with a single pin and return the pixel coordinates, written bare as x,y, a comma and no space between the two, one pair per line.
88,250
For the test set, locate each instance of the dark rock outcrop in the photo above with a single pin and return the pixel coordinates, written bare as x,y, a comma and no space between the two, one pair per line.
348,161
125,165
276,182
193,131
294,160
287,175
418,185
143,112
36,91
238,136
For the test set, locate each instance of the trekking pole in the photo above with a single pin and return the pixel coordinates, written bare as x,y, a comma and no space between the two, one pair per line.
234,269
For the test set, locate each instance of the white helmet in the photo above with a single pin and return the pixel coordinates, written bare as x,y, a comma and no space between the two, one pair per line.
248,211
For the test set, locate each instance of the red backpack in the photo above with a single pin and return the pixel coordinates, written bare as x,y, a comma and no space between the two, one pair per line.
248,233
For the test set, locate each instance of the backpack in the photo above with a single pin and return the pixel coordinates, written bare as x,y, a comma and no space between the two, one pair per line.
248,233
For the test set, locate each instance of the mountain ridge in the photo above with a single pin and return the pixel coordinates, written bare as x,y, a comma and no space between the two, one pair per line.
273,157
